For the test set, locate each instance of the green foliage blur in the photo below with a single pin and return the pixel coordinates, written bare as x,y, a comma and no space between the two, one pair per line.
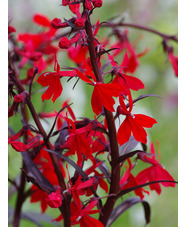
154,70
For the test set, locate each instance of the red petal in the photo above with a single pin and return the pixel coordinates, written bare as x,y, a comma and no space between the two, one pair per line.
138,131
88,221
104,96
124,132
54,199
83,77
86,184
41,20
95,102
18,146
145,121
55,88
134,83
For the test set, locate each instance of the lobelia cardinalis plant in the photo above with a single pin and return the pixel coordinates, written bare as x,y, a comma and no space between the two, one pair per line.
69,164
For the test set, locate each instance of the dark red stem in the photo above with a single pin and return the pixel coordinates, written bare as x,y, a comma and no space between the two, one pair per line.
115,172
65,209
20,200
163,35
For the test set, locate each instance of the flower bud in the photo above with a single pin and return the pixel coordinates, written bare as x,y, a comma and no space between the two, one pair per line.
64,43
65,2
79,22
97,3
88,5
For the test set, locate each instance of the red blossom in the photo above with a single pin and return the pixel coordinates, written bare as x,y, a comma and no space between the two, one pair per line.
65,2
78,142
52,80
56,23
97,3
35,45
41,20
133,123
88,5
54,199
126,81
39,196
64,43
156,172
82,216
102,94
124,43
129,180
21,147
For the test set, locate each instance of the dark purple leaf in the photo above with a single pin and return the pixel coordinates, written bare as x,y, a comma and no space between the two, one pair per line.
122,158
128,146
106,51
51,130
125,205
34,217
105,170
127,190
31,82
77,168
61,138
142,97
35,176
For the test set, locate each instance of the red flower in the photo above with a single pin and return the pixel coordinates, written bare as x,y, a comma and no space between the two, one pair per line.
41,20
64,43
156,172
21,147
97,3
61,115
52,80
78,142
88,5
124,43
82,217
133,123
39,196
35,45
78,53
128,82
65,2
102,94
54,199
129,180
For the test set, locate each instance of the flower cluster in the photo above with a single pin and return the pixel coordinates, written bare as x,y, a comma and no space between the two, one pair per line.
89,147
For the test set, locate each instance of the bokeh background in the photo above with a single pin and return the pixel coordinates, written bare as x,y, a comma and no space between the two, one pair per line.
154,70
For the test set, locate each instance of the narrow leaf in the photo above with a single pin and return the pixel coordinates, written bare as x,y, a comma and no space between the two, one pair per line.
77,168
125,205
122,158
51,130
105,170
128,146
35,175
127,190
142,97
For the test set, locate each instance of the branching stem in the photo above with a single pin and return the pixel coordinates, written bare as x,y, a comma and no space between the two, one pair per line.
115,172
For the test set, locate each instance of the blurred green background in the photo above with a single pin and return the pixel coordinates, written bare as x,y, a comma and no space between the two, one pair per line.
154,70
